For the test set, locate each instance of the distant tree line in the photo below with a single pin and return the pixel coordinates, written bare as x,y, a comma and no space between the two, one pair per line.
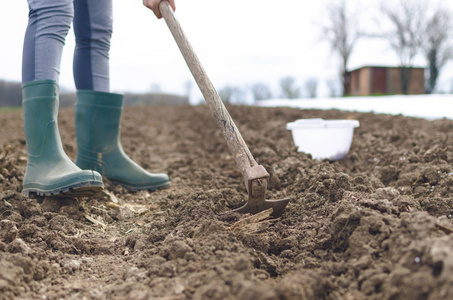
289,88
415,27
135,99
131,99
10,93
11,96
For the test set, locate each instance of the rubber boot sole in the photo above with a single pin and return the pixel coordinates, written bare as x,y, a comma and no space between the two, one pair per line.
84,189
151,188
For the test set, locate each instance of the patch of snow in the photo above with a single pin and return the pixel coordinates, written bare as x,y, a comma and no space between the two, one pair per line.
430,107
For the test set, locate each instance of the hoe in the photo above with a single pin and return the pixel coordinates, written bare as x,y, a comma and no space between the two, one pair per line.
255,176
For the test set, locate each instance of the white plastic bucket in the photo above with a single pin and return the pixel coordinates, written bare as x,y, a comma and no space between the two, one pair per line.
323,139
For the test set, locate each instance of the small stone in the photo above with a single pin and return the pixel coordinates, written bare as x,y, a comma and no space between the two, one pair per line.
18,246
178,249
4,284
8,231
70,266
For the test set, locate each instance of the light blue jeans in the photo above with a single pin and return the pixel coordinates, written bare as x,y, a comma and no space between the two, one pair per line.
49,23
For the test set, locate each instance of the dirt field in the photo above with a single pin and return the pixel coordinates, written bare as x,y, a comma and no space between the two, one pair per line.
376,225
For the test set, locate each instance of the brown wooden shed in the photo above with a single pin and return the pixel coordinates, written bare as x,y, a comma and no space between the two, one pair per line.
374,80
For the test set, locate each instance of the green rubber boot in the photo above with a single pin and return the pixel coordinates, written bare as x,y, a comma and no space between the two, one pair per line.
98,119
49,170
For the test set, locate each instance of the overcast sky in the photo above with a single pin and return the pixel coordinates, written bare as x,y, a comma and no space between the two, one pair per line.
238,43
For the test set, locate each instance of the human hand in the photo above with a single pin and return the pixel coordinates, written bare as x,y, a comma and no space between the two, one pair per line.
154,6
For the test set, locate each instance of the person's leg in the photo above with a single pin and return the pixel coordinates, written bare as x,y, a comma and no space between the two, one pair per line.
98,112
48,24
93,31
49,170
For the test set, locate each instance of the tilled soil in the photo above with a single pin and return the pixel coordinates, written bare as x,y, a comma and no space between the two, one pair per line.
375,225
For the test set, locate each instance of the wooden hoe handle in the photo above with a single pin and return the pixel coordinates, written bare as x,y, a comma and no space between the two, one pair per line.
244,159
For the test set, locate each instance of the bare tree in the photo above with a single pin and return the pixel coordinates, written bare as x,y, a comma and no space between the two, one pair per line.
155,88
342,33
232,94
288,88
261,91
437,46
406,34
311,87
188,87
333,86
226,94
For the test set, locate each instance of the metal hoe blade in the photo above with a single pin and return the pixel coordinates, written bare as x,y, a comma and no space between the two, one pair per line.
256,180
